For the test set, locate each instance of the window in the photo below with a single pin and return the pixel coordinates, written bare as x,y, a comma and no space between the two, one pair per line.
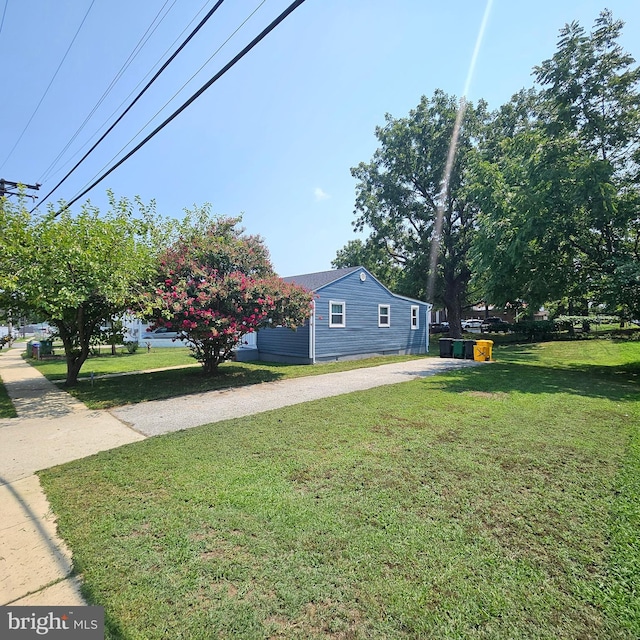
384,315
415,315
337,314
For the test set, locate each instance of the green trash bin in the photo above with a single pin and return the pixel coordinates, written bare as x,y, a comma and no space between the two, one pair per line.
46,347
30,349
458,348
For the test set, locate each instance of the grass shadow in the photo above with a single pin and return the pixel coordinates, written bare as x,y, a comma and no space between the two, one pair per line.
7,410
160,385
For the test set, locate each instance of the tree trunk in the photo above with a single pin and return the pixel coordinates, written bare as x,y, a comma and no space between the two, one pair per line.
74,365
209,366
76,354
75,358
211,359
452,298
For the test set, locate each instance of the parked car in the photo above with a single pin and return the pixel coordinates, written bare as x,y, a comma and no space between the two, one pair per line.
160,332
439,327
472,323
494,324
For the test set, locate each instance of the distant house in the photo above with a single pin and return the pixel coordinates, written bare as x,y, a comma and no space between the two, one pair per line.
354,316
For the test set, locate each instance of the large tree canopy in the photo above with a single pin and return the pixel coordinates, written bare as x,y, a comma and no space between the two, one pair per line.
375,258
74,271
216,284
560,193
400,192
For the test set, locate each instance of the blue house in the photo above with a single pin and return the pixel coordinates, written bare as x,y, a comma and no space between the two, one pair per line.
354,316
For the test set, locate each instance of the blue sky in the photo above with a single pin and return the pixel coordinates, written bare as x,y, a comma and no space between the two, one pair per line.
276,137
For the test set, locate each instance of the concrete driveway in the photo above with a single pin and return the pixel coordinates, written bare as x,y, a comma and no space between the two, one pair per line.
162,416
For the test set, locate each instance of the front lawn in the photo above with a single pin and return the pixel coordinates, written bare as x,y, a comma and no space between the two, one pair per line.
55,369
494,502
103,393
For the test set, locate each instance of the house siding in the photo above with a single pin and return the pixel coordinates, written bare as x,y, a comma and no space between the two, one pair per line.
361,336
279,344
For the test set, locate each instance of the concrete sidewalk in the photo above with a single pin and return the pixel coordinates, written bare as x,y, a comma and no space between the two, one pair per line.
53,428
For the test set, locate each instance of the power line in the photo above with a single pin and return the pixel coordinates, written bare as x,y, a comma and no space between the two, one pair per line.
117,109
16,185
49,86
164,106
290,9
124,113
132,56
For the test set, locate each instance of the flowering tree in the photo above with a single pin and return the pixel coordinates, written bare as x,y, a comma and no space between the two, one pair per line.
217,285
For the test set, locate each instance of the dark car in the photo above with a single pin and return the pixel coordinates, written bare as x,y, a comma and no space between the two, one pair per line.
494,324
439,327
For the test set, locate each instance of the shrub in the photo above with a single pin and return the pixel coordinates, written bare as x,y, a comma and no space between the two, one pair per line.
535,330
131,345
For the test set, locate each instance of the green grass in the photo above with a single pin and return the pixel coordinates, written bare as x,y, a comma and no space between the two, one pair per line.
110,392
123,362
494,502
7,409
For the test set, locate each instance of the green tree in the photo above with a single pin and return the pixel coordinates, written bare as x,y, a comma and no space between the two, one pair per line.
560,195
373,257
75,271
400,192
514,259
112,333
216,284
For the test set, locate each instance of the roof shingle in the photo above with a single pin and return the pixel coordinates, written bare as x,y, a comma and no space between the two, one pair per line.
314,281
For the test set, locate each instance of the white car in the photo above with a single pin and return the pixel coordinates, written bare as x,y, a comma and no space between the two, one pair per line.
160,332
472,323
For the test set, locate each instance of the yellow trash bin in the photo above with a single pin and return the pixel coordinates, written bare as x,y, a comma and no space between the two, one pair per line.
482,350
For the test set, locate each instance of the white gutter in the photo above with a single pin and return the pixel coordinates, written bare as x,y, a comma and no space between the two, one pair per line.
312,333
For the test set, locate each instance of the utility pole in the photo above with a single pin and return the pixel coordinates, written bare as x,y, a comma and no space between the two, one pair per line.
7,184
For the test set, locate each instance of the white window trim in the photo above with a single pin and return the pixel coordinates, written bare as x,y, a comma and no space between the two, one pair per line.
415,308
388,314
344,314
